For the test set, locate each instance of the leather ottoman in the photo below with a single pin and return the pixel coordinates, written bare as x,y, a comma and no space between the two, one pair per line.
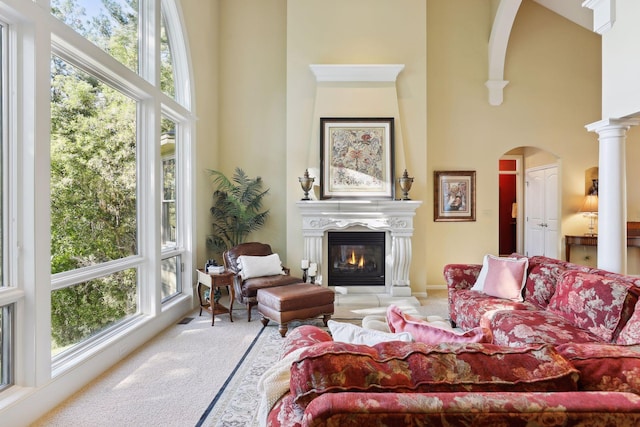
300,301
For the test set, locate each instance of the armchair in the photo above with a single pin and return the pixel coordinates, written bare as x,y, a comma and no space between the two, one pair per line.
247,289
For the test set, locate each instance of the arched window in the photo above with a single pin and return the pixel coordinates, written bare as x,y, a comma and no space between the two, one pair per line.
99,147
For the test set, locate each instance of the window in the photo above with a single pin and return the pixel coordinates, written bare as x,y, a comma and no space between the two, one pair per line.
98,147
111,25
7,344
171,264
166,61
93,153
93,170
169,212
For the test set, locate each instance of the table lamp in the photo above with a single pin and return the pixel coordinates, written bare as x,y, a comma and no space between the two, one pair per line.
590,210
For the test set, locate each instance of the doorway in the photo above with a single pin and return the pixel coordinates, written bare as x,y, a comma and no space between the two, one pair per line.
510,204
517,164
542,218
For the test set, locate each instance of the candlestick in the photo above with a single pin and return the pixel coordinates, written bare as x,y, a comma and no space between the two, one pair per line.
313,269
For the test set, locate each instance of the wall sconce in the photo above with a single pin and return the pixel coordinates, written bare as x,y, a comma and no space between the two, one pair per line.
405,182
306,182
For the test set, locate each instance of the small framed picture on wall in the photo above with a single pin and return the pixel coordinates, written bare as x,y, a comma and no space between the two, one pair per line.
454,196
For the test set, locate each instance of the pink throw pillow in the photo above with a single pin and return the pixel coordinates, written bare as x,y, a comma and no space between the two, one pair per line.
423,332
502,277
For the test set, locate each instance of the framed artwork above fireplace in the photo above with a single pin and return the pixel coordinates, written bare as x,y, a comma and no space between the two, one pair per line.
356,158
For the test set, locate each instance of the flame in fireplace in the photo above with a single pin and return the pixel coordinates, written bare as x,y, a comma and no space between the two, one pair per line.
352,260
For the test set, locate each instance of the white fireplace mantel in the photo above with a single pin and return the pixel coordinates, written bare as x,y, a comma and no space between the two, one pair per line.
392,216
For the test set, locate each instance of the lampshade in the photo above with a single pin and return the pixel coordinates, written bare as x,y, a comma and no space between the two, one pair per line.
590,204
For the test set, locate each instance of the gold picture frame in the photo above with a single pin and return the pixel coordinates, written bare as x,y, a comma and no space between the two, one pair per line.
454,196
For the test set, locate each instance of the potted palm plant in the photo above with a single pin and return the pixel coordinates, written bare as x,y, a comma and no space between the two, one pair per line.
237,209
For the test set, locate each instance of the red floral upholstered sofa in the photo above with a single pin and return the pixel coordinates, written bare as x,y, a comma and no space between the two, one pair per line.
565,353
415,384
561,303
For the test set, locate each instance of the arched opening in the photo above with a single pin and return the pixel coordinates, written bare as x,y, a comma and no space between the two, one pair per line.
528,204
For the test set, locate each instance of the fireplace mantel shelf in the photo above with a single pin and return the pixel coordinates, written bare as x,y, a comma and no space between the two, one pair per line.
331,207
392,216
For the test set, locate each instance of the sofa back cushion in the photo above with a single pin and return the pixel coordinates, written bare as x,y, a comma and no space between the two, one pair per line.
541,283
630,332
332,367
591,302
605,367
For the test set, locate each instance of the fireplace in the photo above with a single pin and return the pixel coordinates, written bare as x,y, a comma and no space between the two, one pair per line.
356,258
393,218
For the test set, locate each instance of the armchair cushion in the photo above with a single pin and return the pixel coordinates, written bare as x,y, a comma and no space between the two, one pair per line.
259,266
251,248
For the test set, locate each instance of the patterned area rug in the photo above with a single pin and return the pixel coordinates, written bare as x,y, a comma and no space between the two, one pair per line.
236,404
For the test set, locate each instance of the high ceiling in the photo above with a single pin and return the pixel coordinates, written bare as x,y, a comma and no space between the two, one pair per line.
572,10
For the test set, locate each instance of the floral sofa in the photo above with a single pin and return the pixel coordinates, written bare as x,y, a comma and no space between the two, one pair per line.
331,383
565,351
560,303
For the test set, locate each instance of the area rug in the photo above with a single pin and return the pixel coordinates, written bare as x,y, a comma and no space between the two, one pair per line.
236,404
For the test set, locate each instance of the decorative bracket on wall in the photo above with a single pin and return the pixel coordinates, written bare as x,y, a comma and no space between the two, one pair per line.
502,24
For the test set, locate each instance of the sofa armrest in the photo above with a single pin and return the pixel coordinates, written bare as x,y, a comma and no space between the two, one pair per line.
460,277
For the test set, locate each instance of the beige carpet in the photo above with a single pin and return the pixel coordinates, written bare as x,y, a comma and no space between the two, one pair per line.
174,377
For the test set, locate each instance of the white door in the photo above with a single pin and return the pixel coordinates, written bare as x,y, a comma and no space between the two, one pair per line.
541,212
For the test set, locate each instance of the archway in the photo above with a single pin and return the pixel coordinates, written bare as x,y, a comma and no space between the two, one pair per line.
513,210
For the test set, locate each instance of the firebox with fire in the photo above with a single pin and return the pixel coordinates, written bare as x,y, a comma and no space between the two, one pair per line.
356,258
354,261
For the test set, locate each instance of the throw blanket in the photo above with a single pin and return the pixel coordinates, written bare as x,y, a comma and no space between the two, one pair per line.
274,384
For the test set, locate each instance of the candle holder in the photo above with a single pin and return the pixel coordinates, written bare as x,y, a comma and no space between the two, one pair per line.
405,182
312,279
304,275
306,182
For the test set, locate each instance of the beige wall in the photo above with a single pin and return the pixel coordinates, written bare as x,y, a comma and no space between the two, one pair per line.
266,99
356,32
552,94
201,20
252,102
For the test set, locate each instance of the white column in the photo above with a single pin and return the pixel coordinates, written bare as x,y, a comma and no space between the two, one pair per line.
612,193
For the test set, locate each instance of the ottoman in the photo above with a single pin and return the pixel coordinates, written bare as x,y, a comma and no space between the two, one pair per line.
299,301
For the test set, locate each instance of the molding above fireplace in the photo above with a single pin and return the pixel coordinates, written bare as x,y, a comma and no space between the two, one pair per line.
392,216
356,72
